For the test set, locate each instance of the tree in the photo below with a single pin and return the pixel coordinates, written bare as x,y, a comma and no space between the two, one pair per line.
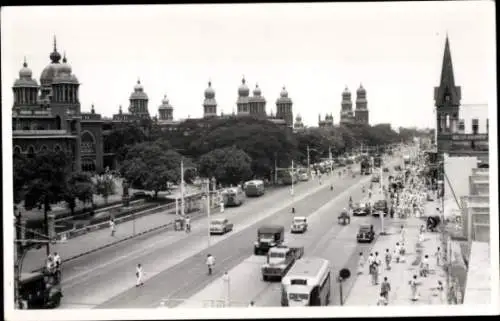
46,182
22,173
120,139
228,165
149,166
79,187
105,186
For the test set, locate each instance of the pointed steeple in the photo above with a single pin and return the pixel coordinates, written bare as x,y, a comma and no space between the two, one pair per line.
447,77
447,93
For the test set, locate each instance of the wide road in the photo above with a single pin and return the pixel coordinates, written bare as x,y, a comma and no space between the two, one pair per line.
107,278
325,238
188,276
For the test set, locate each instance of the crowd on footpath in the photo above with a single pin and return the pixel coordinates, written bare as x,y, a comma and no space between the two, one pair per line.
407,202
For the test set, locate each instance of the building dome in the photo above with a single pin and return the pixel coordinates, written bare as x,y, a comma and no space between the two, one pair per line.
298,118
257,92
49,72
65,67
25,79
284,93
138,92
346,93
25,72
209,92
243,90
165,104
361,90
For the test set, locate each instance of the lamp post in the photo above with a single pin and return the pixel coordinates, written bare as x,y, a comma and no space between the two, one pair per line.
207,182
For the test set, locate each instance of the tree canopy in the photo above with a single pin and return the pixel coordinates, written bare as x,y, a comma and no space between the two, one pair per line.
228,165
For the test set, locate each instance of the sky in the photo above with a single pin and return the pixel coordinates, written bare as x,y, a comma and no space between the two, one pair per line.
394,49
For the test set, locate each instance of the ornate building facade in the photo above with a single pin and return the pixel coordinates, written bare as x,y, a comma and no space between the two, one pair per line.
361,114
451,135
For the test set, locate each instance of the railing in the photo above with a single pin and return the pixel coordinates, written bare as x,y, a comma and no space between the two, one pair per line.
40,132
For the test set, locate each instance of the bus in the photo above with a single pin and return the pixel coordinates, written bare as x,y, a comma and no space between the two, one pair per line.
254,188
233,196
307,283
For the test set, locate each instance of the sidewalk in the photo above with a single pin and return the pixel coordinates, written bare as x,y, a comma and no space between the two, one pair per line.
97,239
364,293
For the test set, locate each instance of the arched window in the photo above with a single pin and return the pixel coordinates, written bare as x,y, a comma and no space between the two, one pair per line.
44,149
58,122
31,151
87,143
17,150
57,148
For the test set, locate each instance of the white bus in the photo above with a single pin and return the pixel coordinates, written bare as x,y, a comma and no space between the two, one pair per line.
307,283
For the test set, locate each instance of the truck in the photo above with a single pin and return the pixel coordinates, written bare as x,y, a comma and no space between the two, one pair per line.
366,168
279,260
268,236
40,290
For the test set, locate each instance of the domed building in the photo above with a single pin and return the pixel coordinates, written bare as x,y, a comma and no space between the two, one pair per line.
298,125
346,113
243,99
361,106
209,104
327,122
284,108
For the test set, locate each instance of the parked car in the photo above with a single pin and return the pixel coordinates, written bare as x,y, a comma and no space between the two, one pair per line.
360,209
375,179
386,169
380,206
299,224
365,234
220,226
397,168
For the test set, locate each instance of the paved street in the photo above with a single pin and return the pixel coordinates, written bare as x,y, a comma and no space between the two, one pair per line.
92,280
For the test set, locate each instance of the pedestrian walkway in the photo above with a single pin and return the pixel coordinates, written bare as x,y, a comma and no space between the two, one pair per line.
364,293
91,241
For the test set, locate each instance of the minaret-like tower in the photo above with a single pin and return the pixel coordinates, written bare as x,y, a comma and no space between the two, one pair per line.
346,107
65,87
139,102
284,108
298,125
242,102
25,88
361,106
257,103
209,104
166,111
48,74
447,101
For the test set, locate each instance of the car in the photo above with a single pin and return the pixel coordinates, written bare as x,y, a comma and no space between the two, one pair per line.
299,224
380,206
220,226
375,179
303,177
365,234
398,168
385,169
360,209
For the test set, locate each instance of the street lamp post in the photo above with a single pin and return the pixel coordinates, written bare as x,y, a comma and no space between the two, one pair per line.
382,230
208,211
182,186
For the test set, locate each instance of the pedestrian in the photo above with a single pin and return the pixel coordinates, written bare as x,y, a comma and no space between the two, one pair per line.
402,253
361,263
438,256
373,272
441,293
403,234
385,288
421,237
424,266
388,259
187,222
397,255
57,260
222,206
139,273
378,263
112,226
414,288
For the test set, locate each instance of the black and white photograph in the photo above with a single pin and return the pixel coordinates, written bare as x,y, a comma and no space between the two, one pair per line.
277,160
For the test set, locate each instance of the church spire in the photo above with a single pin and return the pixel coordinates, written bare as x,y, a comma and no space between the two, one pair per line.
447,77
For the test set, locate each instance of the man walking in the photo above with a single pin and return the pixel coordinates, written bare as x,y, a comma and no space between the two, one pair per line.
139,274
378,263
112,226
388,259
385,288
438,256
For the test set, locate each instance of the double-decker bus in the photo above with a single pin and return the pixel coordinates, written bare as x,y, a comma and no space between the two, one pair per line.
254,188
307,283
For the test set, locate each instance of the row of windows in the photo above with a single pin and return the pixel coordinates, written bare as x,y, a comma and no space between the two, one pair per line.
32,150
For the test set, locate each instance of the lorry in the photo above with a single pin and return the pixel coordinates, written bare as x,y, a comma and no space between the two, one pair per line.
268,236
279,260
40,290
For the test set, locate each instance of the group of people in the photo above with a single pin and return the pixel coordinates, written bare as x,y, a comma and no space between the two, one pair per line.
53,264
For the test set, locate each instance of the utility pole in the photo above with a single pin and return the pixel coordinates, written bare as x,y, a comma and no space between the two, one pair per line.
182,186
330,157
382,230
275,168
293,176
208,211
308,163
19,254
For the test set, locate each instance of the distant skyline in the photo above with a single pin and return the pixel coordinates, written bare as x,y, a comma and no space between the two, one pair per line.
394,49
